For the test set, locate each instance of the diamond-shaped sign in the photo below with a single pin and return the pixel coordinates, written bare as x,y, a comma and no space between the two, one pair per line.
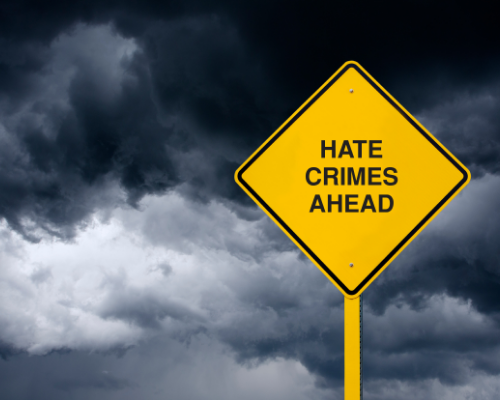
351,177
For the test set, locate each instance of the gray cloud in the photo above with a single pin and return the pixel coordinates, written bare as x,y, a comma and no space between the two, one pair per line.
141,307
157,368
470,126
41,275
120,130
109,119
103,381
456,255
49,182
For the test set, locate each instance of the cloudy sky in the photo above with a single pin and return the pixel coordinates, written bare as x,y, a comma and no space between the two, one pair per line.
133,267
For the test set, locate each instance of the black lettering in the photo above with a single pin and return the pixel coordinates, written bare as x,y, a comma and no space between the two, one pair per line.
393,177
319,205
372,176
368,204
381,198
360,147
308,177
331,203
345,149
328,176
372,149
324,149
351,203
351,176
342,176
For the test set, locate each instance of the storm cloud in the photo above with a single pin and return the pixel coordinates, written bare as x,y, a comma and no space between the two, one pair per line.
126,242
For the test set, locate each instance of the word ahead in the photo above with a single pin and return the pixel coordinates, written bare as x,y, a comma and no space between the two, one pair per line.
351,202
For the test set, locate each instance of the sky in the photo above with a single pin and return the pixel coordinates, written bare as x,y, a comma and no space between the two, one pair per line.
133,266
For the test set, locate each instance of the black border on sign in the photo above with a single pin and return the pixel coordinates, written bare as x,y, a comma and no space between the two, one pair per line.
412,232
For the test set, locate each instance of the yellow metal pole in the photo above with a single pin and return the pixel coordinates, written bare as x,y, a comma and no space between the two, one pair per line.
352,349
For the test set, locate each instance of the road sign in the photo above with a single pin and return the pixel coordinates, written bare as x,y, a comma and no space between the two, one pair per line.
351,177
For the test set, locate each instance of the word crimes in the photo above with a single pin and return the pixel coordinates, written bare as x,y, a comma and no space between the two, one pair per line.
370,176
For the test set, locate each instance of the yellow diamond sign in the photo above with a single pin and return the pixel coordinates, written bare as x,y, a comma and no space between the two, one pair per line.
351,177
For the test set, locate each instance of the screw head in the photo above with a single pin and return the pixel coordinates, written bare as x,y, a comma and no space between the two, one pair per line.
351,265
351,90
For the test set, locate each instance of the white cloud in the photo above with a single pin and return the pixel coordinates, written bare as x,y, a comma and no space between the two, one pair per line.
100,291
188,271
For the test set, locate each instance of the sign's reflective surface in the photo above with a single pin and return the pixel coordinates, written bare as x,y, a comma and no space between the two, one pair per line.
352,178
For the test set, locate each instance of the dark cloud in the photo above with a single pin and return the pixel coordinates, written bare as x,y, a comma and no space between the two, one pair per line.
208,84
7,350
181,108
469,124
412,345
160,367
100,127
456,255
62,375
103,381
102,104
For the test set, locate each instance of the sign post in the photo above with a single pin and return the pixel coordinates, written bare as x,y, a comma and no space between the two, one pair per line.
352,348
352,178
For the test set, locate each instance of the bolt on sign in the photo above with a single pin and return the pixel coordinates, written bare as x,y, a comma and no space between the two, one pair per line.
352,178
